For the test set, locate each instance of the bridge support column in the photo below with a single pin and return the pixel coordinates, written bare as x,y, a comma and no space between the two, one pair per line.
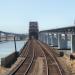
41,37
49,39
54,40
72,43
46,38
62,41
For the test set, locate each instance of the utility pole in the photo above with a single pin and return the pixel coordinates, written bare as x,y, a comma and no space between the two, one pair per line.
15,44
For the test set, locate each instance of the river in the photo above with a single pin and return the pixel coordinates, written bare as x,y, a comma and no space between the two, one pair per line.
7,48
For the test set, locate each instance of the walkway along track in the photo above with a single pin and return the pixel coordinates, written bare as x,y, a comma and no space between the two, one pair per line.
28,61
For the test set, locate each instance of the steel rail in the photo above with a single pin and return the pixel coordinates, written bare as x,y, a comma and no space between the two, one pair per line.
53,58
54,54
19,64
29,63
43,54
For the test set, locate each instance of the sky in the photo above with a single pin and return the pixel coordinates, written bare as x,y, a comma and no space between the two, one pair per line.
15,15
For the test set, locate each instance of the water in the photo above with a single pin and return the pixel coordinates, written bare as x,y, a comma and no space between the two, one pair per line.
7,48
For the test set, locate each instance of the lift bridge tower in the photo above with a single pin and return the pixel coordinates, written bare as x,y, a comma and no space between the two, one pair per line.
33,30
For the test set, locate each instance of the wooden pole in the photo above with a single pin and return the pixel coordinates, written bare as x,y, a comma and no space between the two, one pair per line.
15,44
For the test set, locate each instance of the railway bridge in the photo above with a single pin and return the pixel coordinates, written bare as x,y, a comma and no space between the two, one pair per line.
59,38
6,36
38,57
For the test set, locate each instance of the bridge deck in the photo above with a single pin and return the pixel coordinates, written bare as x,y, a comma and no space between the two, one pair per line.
63,29
37,59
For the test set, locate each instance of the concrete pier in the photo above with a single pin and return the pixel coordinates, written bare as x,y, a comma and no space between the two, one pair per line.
62,41
49,39
43,38
54,40
72,43
40,37
46,38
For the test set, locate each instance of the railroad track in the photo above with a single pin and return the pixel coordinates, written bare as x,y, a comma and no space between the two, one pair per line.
52,50
26,64
19,61
28,61
38,53
26,57
54,67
